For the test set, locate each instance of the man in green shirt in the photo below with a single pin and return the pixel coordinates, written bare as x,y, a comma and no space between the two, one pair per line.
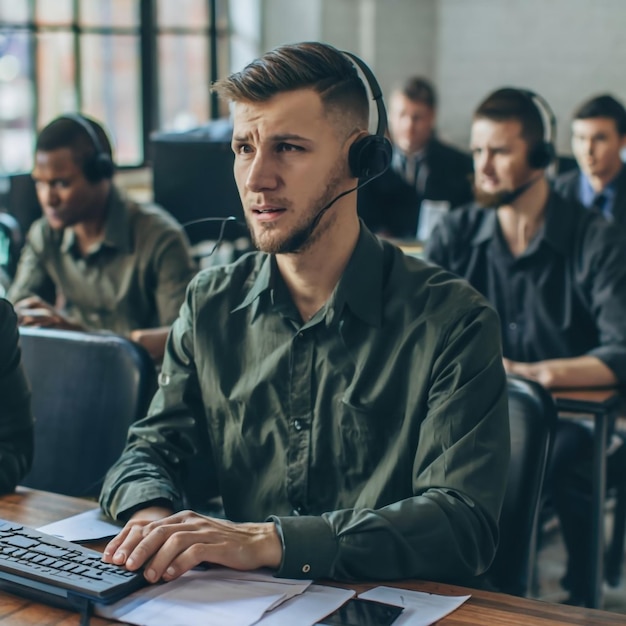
350,401
113,264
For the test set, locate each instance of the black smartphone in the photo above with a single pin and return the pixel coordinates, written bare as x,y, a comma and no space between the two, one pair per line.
358,612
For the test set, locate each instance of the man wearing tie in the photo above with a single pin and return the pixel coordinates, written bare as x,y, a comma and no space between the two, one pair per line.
598,138
426,177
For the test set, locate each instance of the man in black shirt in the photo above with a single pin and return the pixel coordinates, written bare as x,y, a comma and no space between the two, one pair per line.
427,177
555,272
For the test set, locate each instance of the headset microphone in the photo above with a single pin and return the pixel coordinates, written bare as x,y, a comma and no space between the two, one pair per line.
508,197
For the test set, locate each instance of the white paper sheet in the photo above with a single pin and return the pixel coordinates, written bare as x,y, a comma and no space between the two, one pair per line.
307,609
88,526
219,596
420,608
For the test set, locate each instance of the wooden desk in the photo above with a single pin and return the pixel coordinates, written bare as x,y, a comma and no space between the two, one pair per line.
602,405
484,608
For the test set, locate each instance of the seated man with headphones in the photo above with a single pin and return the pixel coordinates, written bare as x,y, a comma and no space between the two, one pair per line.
555,272
95,260
350,401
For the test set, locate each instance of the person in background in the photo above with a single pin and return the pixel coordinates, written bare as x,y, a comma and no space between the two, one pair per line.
96,260
598,139
556,273
352,399
427,177
16,421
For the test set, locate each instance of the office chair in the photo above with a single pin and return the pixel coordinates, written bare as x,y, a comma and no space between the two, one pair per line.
532,417
10,243
87,388
615,551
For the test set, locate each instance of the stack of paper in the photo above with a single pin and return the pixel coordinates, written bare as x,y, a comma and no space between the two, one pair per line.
221,596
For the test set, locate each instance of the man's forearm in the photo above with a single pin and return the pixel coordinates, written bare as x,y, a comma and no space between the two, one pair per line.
583,371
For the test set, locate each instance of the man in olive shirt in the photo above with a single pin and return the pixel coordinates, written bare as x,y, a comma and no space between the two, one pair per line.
353,398
16,421
115,265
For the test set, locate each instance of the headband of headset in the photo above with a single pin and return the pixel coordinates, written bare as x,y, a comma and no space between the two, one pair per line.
370,156
99,165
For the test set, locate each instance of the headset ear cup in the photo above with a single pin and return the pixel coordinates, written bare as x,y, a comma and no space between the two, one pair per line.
369,156
99,167
541,155
105,165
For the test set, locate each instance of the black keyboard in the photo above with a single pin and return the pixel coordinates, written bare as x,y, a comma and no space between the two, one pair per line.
53,570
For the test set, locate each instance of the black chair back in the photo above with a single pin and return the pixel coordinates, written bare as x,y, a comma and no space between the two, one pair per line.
532,416
87,388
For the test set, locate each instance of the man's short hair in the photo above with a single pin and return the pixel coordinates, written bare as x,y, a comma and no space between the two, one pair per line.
65,132
604,105
418,89
514,104
289,67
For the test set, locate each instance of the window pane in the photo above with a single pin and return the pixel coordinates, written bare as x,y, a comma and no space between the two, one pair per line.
110,12
111,91
55,76
16,102
14,10
53,11
183,81
183,13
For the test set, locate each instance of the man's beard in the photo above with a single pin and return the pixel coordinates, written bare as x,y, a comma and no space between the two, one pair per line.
505,196
486,199
305,234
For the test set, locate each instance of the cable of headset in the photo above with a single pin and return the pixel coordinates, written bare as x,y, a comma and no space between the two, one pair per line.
220,237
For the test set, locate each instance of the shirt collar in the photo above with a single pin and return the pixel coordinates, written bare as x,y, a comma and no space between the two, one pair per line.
117,230
259,282
556,229
586,193
360,288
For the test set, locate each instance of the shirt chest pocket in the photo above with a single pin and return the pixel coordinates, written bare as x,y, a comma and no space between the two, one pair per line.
362,436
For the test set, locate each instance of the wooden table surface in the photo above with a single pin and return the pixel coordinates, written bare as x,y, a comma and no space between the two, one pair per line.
35,508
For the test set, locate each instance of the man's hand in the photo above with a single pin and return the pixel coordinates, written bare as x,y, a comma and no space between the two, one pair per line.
34,311
581,371
173,545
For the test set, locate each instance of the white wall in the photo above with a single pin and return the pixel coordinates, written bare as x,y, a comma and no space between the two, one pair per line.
566,50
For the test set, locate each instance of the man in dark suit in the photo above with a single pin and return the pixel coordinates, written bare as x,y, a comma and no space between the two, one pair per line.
426,177
598,137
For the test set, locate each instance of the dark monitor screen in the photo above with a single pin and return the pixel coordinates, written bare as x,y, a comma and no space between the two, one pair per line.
193,178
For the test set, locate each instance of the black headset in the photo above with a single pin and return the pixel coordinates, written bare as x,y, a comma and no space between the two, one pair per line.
370,156
544,152
99,165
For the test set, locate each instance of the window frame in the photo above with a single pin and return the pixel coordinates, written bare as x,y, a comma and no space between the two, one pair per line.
148,31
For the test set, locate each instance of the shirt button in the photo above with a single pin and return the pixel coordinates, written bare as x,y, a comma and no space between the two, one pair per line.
300,335
164,379
297,424
512,326
306,568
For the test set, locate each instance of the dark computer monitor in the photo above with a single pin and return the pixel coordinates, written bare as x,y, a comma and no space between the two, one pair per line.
193,179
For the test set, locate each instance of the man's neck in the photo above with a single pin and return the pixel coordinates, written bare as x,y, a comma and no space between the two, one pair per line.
312,275
91,230
598,183
521,219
